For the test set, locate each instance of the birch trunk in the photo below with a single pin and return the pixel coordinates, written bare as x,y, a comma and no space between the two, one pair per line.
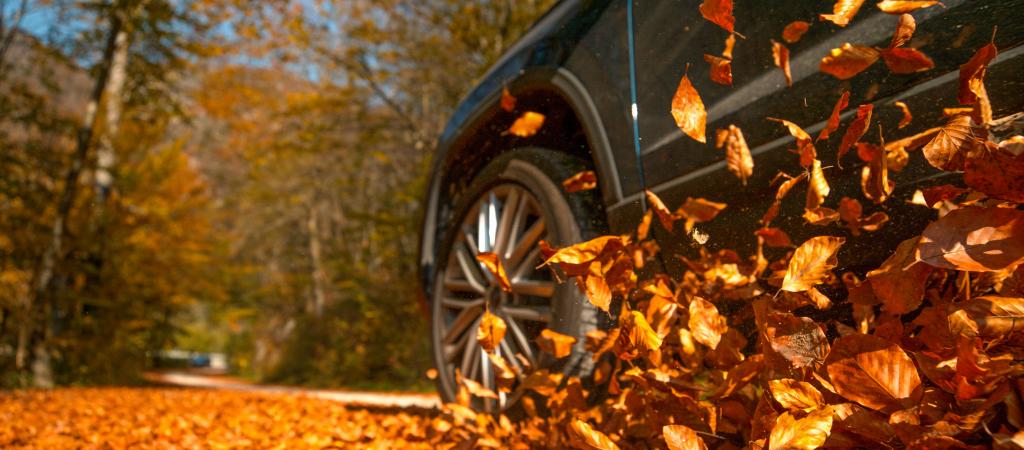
319,274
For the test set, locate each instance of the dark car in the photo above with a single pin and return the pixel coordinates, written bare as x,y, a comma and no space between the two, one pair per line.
604,73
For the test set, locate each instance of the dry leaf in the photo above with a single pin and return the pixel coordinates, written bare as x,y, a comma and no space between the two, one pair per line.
527,124
637,337
807,433
557,344
856,130
873,372
705,324
739,375
972,75
900,281
688,110
575,259
849,60
974,239
721,69
795,395
794,31
811,263
906,114
780,54
821,216
491,331
996,172
582,181
478,390
817,186
874,179
665,215
508,102
906,60
798,340
993,316
679,437
729,43
904,6
774,237
950,145
583,437
842,12
833,119
493,264
904,31
719,12
698,210
737,154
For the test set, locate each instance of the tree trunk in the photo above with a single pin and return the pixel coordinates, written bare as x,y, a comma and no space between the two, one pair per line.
319,274
105,154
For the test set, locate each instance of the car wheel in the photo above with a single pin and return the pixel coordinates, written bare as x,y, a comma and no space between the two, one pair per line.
509,207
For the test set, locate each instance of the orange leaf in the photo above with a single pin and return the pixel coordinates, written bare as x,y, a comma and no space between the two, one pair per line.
555,343
582,181
795,395
596,287
996,172
478,390
680,437
833,120
527,124
807,433
780,54
972,74
737,154
665,216
842,12
719,12
849,60
721,69
904,31
900,281
821,216
935,194
729,43
491,331
874,178
811,263
974,239
774,237
739,375
947,149
817,187
856,130
993,316
798,340
873,372
508,102
688,110
904,6
705,324
493,264
698,210
583,437
637,337
576,259
906,114
906,60
794,31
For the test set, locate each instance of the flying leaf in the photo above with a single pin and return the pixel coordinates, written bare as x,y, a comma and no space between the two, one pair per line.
705,324
794,31
493,264
737,154
575,259
993,316
900,281
974,239
781,193
527,124
680,437
874,177
582,436
721,69
856,129
848,60
906,60
850,211
795,395
1014,145
688,110
774,237
596,287
739,375
817,186
799,340
665,215
807,433
637,336
491,331
842,12
582,181
833,120
780,54
821,216
805,146
557,344
904,31
730,41
719,12
904,6
811,263
947,149
873,372
698,210
972,74
935,194
478,390
906,114
508,102
996,172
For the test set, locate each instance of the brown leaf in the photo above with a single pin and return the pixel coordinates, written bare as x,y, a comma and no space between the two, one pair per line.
795,395
705,324
904,6
900,281
698,210
721,69
508,102
817,186
719,12
637,337
527,124
665,215
491,331
906,60
833,120
780,54
842,12
992,316
557,344
914,142
873,372
972,74
595,286
996,172
575,259
582,436
799,340
935,194
950,145
680,437
774,237
821,216
904,31
849,60
1013,145
856,130
807,433
794,31
874,179
688,109
781,193
729,43
974,239
739,375
493,264
811,263
582,181
906,114
737,154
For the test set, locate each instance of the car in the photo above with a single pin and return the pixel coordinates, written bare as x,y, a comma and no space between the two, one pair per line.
603,73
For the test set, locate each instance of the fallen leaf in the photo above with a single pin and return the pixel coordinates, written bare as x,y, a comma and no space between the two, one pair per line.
948,148
817,186
737,154
906,60
972,74
780,54
856,130
781,193
527,124
904,31
993,316
798,340
848,60
833,119
680,437
842,12
721,69
1013,145
996,172
582,181
508,102
874,179
583,437
906,114
698,210
491,331
719,12
478,390
904,6
637,337
795,395
900,281
821,216
596,287
688,110
557,344
974,239
705,324
935,194
811,263
575,259
730,41
794,31
665,215
850,211
739,375
774,237
873,372
493,264
805,146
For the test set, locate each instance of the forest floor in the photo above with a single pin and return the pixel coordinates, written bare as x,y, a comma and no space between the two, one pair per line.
213,412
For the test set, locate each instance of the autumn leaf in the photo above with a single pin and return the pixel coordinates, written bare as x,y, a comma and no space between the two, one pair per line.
781,193
974,239
508,102
947,149
575,259
990,316
583,436
874,178
739,375
833,120
491,331
992,169
698,210
688,109
705,324
807,433
817,186
850,211
900,281
856,130
811,262
737,154
904,6
527,124
493,264
557,344
848,60
719,12
873,372
906,60
798,340
821,216
972,75
842,12
680,437
721,69
504,375
582,181
935,194
795,395
730,41
595,286
906,114
904,31
637,337
794,31
665,215
774,237
780,54
478,390
805,146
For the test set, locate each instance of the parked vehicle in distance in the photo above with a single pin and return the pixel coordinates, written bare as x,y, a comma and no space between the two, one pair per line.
603,72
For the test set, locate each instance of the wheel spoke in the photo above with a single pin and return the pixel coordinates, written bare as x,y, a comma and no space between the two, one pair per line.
521,340
471,269
455,285
458,303
508,213
533,313
510,356
461,322
527,243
